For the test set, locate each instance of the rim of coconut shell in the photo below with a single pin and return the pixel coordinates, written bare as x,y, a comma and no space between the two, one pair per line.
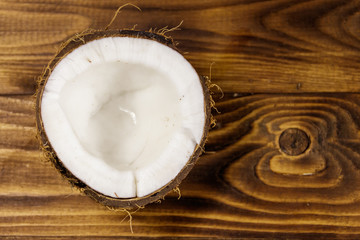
111,202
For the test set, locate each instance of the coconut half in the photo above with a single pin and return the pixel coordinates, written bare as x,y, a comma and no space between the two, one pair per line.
122,115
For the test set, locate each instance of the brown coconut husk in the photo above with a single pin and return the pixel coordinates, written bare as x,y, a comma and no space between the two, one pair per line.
122,204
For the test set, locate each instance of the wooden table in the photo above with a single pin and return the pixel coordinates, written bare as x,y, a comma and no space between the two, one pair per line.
283,161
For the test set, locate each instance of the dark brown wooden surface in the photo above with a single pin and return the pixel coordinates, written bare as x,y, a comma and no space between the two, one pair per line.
283,64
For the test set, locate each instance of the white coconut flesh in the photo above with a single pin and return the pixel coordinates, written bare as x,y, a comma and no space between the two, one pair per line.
124,115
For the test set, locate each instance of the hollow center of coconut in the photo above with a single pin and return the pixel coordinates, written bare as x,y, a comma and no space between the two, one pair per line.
124,114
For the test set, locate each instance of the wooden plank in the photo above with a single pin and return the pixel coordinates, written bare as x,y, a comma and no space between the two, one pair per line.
258,46
244,186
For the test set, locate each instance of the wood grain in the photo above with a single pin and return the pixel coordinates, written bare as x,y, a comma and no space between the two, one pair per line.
258,46
288,68
245,186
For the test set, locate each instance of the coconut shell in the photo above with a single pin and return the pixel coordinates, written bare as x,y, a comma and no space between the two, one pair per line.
50,153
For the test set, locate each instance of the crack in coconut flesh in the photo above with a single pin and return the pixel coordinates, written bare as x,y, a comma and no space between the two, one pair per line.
124,115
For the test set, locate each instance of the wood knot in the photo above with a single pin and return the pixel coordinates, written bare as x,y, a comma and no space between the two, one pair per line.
294,141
